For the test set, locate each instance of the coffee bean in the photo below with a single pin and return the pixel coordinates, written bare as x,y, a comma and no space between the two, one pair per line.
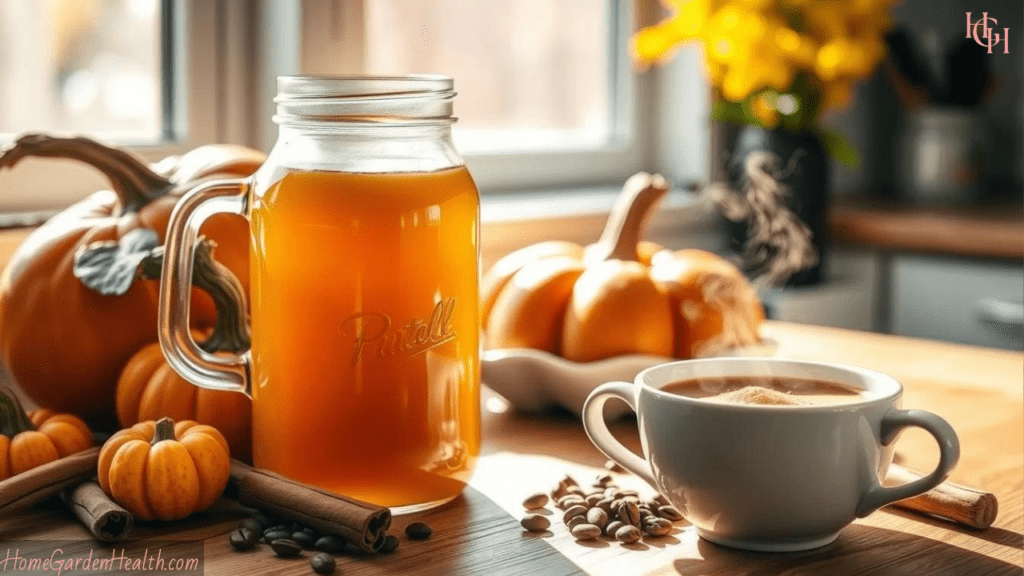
389,546
569,501
670,513
613,527
329,543
645,513
657,527
627,534
286,548
610,491
576,521
593,499
597,517
586,532
274,528
536,522
629,513
568,481
662,500
303,538
574,511
278,534
606,505
418,531
575,490
252,525
322,563
633,493
264,520
243,539
603,480
535,501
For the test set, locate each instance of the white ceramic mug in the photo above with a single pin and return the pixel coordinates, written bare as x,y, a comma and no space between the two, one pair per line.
761,477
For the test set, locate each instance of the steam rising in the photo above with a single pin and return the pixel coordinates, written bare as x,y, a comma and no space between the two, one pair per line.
778,244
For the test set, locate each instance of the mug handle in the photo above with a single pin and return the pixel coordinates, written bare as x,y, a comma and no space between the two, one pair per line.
206,370
949,453
597,429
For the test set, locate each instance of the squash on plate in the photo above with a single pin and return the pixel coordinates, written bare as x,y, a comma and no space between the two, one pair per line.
620,295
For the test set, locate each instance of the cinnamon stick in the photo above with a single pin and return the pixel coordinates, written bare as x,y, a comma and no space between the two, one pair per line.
960,504
38,484
107,521
360,523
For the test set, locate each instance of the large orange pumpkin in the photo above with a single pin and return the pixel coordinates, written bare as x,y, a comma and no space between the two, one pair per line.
620,295
66,344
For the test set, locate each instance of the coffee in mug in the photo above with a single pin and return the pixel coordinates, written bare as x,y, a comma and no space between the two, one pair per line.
767,390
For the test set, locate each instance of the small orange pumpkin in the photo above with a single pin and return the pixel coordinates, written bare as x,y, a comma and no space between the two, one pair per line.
165,471
38,437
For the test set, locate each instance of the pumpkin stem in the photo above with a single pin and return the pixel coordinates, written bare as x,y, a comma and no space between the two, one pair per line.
164,431
625,223
231,330
132,180
13,419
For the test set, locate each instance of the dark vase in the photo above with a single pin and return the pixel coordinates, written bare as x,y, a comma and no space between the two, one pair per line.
808,186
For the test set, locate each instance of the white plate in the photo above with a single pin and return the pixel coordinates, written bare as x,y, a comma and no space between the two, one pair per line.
534,380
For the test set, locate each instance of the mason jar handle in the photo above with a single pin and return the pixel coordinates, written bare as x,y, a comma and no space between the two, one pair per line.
949,454
202,368
597,429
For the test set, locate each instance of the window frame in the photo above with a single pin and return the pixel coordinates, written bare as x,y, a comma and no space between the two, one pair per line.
209,103
306,30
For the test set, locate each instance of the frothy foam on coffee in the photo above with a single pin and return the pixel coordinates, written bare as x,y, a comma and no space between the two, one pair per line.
759,395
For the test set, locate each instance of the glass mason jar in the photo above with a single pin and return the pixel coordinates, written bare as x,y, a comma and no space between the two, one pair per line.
364,250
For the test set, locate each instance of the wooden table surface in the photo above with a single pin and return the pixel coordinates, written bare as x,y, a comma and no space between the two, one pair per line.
980,391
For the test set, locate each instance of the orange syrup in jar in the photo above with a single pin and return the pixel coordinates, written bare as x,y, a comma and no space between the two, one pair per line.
366,342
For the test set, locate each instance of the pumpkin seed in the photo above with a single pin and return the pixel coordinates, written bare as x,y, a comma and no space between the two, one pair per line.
303,538
278,534
628,534
629,513
586,532
286,548
243,539
535,501
390,544
597,517
322,563
329,543
670,512
535,522
418,531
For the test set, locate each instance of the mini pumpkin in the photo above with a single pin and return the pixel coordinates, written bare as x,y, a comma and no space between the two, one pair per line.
165,471
28,440
620,295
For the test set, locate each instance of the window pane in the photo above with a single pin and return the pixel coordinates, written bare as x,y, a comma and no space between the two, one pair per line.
531,74
82,66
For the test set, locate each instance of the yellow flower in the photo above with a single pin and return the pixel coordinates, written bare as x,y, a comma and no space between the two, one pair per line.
764,110
655,42
835,95
830,59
